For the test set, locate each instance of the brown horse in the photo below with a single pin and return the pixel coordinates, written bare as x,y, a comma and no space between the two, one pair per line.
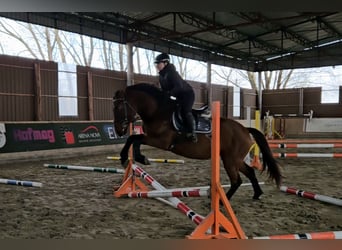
155,110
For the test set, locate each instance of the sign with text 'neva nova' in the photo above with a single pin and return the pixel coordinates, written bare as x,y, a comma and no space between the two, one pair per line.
19,137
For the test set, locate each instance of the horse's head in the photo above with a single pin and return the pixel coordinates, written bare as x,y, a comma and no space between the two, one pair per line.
123,112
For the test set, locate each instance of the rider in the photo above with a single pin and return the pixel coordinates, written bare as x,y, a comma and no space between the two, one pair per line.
179,90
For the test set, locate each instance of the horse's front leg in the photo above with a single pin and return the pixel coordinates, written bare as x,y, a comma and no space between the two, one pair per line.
137,153
136,140
124,151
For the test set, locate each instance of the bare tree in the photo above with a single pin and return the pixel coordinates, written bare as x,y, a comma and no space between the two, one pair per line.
182,64
7,29
79,48
70,51
60,46
50,44
2,50
112,55
121,62
189,70
225,74
87,54
269,79
150,55
136,52
105,55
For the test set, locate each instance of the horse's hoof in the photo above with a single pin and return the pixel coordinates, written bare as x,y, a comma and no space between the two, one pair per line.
147,162
142,160
256,198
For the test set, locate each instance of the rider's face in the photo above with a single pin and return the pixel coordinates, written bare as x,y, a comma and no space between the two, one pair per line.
160,66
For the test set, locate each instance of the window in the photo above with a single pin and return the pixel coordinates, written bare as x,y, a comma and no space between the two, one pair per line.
236,100
329,95
67,90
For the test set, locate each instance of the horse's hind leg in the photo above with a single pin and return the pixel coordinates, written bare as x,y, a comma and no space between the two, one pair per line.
250,174
234,186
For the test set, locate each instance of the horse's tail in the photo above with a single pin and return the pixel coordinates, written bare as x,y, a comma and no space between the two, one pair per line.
269,162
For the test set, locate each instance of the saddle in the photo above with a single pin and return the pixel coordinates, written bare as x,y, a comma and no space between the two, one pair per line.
202,119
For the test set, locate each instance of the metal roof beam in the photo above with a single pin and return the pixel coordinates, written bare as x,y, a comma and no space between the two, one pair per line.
328,27
205,25
209,26
148,32
137,32
272,27
269,24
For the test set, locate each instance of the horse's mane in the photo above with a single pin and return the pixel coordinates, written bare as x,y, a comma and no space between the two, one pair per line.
151,90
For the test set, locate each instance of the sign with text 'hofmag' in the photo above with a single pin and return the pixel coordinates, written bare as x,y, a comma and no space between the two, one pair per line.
19,137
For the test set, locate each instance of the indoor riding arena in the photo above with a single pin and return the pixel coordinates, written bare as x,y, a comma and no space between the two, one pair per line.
60,172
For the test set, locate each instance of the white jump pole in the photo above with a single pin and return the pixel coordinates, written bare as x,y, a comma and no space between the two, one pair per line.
151,160
86,168
21,183
306,145
307,155
207,187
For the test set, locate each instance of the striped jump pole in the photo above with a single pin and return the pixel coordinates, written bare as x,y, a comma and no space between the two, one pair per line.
152,160
307,155
301,141
311,196
21,183
166,160
86,168
169,193
177,192
332,235
307,145
176,203
207,187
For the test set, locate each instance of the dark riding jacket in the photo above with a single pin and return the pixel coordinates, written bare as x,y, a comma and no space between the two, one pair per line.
171,82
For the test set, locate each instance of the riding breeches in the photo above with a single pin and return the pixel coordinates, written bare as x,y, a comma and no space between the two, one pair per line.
186,100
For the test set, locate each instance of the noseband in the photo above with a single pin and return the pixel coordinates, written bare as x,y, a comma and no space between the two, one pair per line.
124,122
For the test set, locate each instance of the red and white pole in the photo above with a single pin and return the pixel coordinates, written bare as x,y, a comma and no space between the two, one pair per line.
176,203
332,235
311,196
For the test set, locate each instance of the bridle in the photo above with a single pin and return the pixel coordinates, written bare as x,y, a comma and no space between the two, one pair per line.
124,122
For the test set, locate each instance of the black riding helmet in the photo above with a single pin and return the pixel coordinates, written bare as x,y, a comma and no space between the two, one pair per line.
163,57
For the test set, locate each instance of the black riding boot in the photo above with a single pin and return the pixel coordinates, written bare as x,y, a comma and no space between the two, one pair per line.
191,126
